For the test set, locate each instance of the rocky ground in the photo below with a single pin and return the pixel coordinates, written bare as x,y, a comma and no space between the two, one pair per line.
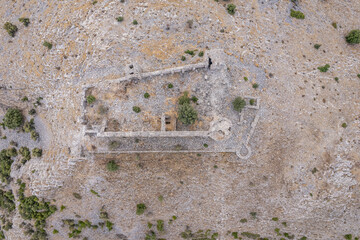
300,128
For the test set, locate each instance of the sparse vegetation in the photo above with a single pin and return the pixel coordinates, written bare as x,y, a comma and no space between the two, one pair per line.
136,109
77,196
146,95
25,21
238,104
135,22
296,14
324,68
252,102
5,166
183,58
90,99
255,85
170,85
47,44
353,37
140,208
317,46
160,225
37,152
344,125
231,8
201,53
120,19
10,28
112,166
13,118
334,24
190,52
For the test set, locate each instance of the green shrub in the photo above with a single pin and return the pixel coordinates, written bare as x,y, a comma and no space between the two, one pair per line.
348,237
246,79
146,95
201,53
187,114
112,166
192,53
11,152
119,19
25,21
184,99
358,75
317,46
170,85
140,208
135,22
13,118
194,99
55,231
160,225
25,152
275,219
32,111
344,125
296,14
353,37
136,109
336,79
238,104
324,68
5,166
94,192
10,28
255,85
7,200
37,152
334,24
47,44
29,126
90,99
25,99
231,8
109,225
34,135
252,102
183,58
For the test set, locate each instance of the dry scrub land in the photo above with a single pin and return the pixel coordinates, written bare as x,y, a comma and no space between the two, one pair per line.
301,180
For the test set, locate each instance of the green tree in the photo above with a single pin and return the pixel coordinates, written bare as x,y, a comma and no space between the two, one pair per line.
231,8
353,37
10,28
187,114
13,118
238,104
112,166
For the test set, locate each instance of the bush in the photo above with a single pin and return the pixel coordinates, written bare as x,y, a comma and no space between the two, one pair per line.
344,125
13,118
187,114
47,44
25,152
90,99
170,85
7,200
11,152
183,58
112,166
37,152
201,53
192,53
296,14
109,225
140,208
77,196
10,28
119,19
32,111
317,46
353,37
25,21
255,85
146,95
334,24
231,8
184,99
34,135
238,104
136,109
29,126
324,68
160,225
5,166
252,102
135,22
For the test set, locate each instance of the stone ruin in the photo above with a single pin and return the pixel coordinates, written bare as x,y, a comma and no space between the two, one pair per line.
221,130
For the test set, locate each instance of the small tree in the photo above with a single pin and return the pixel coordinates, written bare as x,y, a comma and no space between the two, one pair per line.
25,21
13,118
140,208
238,104
296,14
187,114
353,37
